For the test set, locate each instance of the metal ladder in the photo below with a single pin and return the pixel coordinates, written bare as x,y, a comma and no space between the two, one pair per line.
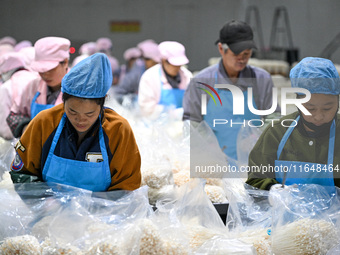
331,47
282,50
257,28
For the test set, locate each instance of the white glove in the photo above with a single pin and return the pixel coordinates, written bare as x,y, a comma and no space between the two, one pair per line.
273,189
277,187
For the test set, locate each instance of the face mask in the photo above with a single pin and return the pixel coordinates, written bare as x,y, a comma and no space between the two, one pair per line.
318,130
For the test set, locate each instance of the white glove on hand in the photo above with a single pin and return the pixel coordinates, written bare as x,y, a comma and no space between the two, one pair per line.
275,188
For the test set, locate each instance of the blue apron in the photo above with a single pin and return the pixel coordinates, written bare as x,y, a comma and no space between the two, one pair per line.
170,96
225,133
94,176
36,108
302,172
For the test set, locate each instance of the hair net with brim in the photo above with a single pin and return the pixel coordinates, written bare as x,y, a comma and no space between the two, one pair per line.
11,61
90,78
132,53
88,48
8,40
173,52
22,44
104,44
317,75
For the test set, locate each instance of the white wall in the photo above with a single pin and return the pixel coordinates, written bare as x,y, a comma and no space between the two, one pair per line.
195,23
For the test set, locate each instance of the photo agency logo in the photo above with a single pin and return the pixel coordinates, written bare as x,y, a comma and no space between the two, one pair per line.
242,105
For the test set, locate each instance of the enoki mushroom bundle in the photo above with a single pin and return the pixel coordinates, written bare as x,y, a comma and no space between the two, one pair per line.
259,239
306,236
21,245
106,247
199,234
48,248
216,194
152,242
157,176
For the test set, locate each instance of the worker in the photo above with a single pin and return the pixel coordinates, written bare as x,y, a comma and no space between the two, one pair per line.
85,50
150,53
305,146
104,45
81,143
22,44
4,48
131,55
129,84
163,85
235,45
9,40
51,62
15,75
29,55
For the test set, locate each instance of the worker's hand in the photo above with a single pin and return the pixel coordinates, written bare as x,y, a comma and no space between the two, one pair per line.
277,188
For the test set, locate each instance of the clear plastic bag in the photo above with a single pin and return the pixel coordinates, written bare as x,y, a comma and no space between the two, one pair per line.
157,236
118,240
192,213
246,139
305,220
205,153
157,174
221,246
249,216
91,219
26,204
7,153
67,220
165,192
248,209
335,250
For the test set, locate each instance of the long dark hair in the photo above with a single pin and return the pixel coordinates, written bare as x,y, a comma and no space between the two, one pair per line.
99,101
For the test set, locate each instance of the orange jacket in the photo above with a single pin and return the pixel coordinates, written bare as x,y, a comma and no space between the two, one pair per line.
124,165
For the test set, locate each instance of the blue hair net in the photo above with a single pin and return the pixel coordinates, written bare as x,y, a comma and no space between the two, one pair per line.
318,75
90,78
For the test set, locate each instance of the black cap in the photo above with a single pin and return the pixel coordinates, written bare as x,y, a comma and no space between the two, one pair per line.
238,35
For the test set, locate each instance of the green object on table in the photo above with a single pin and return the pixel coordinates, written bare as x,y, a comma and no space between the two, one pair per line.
23,178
